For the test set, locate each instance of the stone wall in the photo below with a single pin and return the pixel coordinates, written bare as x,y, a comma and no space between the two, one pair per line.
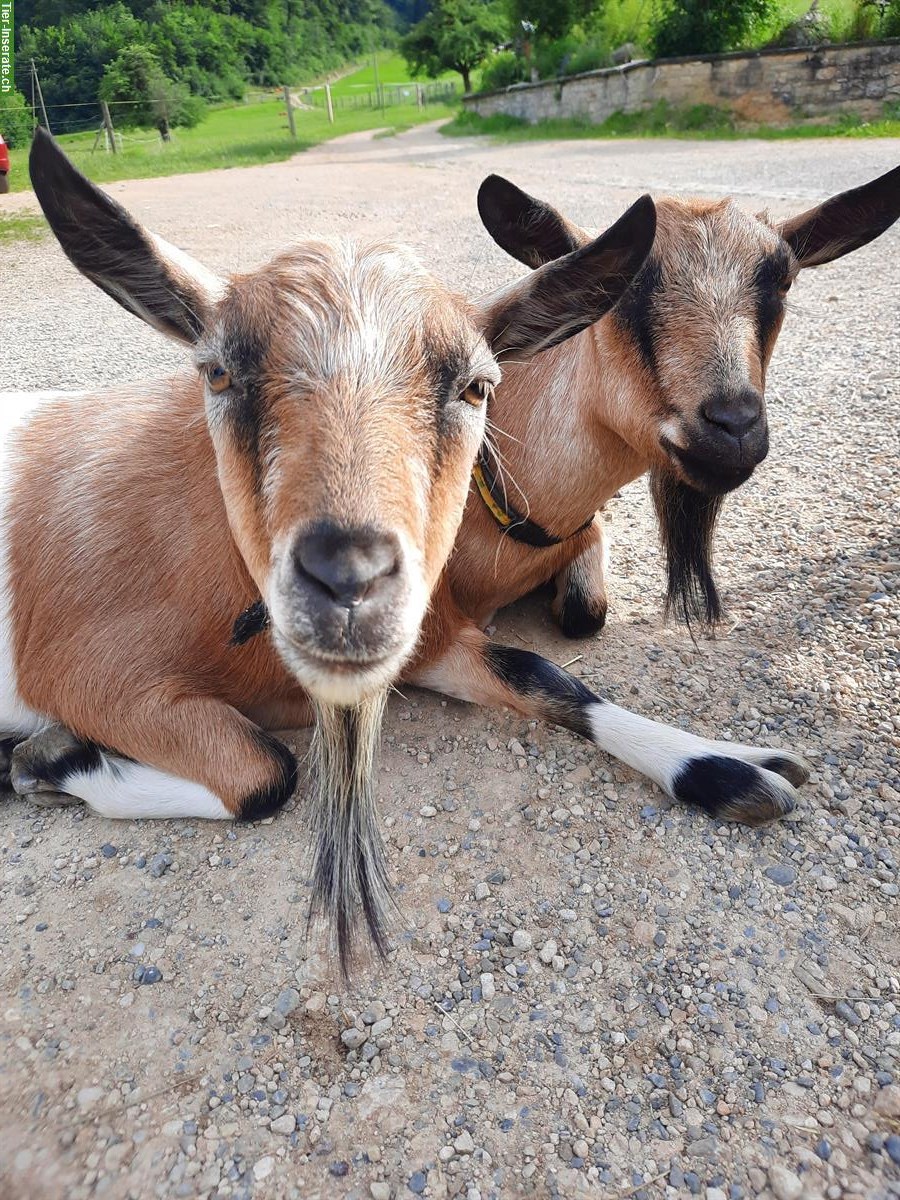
772,87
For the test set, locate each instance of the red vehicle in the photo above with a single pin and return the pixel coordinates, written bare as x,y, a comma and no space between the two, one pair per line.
4,166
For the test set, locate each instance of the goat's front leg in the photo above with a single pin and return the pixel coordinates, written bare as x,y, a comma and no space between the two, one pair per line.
193,758
726,780
580,604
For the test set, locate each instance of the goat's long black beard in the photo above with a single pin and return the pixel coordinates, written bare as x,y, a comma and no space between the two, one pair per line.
687,522
350,876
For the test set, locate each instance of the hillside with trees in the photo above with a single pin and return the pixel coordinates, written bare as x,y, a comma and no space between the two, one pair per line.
187,52
159,62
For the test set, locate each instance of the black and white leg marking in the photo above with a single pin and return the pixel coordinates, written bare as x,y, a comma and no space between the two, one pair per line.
727,780
55,763
580,605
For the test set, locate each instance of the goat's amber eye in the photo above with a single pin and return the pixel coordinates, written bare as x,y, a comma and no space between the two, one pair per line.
217,378
477,392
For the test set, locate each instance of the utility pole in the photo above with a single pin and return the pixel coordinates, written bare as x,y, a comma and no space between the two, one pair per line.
36,83
290,111
378,92
108,128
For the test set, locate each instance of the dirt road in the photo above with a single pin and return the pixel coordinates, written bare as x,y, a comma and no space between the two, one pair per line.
593,993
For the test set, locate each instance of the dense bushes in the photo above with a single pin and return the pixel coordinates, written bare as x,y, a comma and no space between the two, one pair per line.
698,27
15,119
567,37
503,70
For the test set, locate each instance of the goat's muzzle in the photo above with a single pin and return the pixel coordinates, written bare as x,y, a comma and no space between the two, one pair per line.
721,447
347,609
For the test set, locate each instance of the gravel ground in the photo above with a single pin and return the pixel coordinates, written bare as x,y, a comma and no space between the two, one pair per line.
593,993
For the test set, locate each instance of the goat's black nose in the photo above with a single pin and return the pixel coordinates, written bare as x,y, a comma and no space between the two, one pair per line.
735,412
347,565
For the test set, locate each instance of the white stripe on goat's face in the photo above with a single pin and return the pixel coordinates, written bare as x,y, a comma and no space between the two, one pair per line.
702,318
336,382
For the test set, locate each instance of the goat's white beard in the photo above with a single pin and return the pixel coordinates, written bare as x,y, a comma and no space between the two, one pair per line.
346,688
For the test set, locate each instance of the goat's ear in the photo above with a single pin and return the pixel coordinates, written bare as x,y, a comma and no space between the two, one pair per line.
152,279
564,297
524,227
845,222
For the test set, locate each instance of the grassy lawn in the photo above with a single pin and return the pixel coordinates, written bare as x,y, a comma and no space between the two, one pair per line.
228,137
392,69
700,122
22,227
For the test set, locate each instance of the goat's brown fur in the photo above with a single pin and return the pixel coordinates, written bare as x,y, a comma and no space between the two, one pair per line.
626,396
321,459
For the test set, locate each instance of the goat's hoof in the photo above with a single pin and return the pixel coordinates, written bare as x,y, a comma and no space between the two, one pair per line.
732,789
7,746
782,762
579,619
771,798
39,765
48,799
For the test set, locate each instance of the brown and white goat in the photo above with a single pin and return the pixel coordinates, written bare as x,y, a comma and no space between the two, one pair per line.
318,458
672,382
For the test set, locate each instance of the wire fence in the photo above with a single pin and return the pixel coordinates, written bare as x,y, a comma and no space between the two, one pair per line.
86,116
388,95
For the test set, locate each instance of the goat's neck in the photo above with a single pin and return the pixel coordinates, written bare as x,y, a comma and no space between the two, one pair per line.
555,421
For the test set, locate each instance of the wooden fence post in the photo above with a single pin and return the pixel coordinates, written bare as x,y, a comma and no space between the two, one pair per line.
108,126
290,111
328,103
36,82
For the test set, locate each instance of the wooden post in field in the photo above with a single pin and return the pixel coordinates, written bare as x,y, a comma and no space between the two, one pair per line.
420,99
108,126
290,111
328,103
36,82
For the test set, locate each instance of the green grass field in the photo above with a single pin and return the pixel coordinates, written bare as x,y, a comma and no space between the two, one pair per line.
702,122
228,137
392,69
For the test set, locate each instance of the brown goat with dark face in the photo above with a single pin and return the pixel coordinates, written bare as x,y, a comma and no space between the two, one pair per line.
317,458
671,382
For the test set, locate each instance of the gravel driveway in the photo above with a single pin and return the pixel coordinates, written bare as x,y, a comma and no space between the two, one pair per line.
594,993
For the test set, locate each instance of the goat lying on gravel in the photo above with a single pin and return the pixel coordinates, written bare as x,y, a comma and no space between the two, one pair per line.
318,457
671,382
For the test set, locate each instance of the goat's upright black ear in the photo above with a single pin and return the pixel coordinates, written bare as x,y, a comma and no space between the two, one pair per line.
567,295
153,280
845,222
528,229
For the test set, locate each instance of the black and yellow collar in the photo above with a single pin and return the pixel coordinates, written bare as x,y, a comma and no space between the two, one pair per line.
520,528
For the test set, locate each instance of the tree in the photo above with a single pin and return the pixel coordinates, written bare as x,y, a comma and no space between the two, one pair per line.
15,119
457,35
72,56
705,27
148,97
550,18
